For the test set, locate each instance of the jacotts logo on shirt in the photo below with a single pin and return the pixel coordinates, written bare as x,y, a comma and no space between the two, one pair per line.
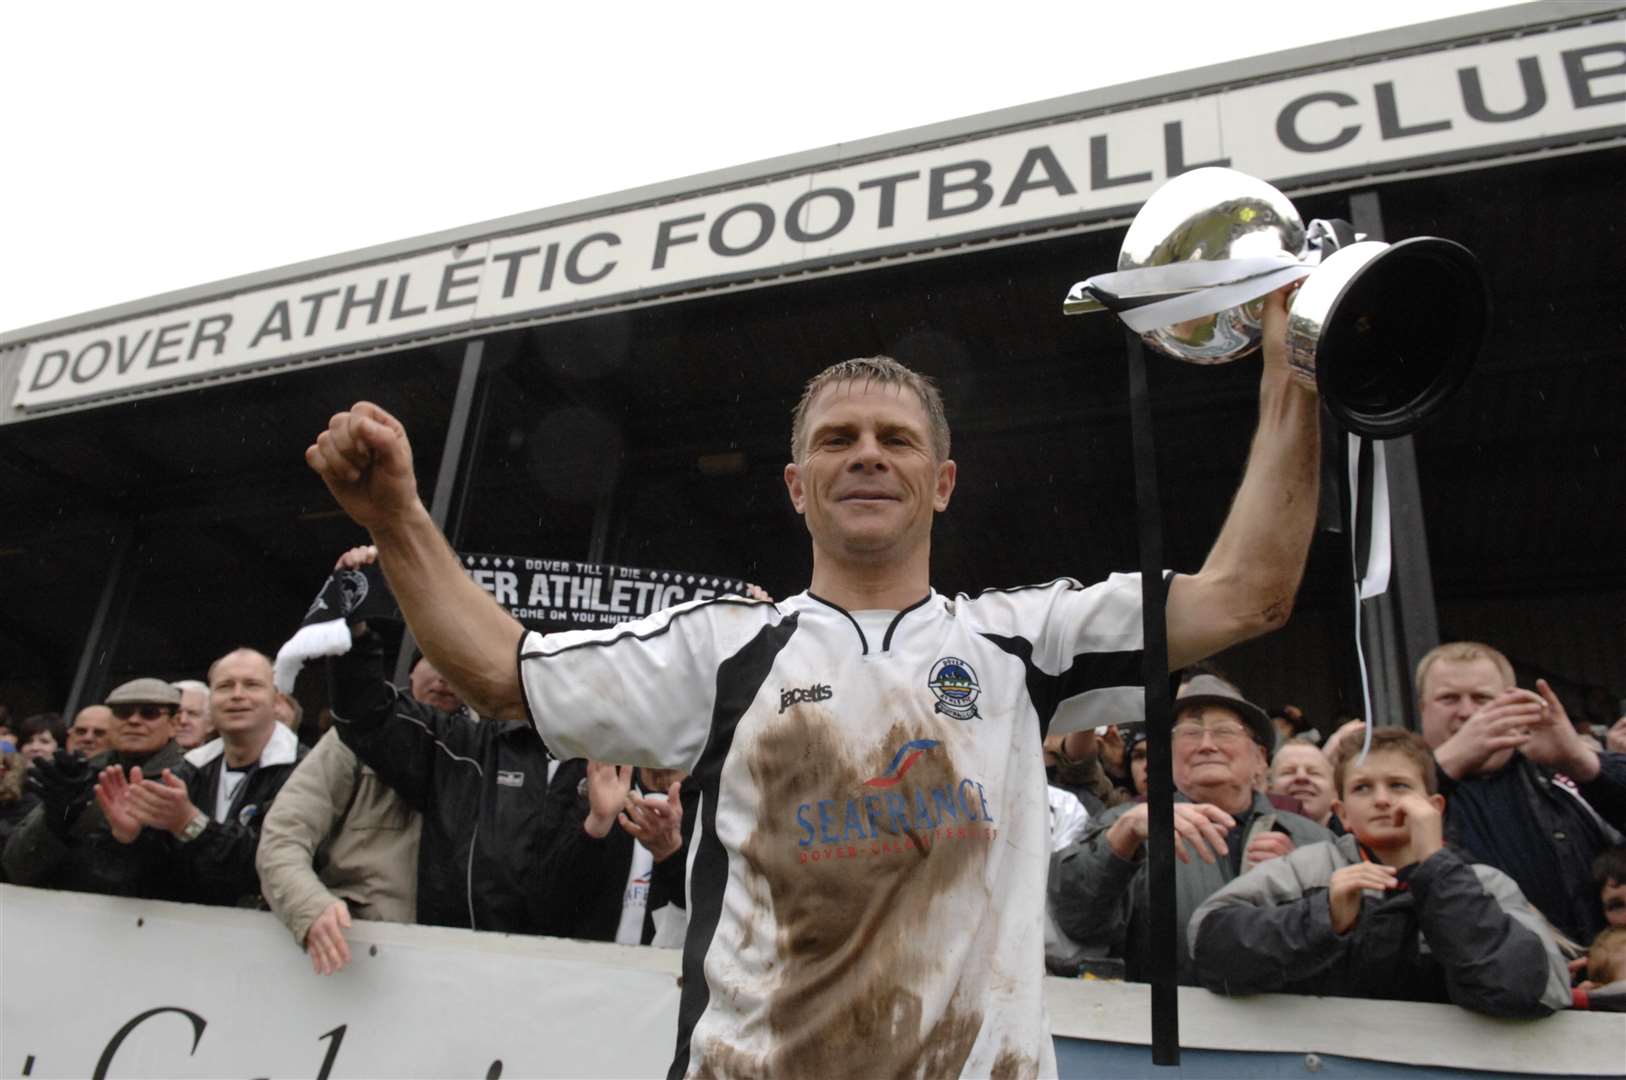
955,685
796,696
511,778
894,822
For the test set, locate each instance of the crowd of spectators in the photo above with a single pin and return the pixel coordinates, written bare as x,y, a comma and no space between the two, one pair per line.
1479,861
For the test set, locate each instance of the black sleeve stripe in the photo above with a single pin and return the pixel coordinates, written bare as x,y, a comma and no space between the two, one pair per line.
738,680
1073,585
600,643
1089,671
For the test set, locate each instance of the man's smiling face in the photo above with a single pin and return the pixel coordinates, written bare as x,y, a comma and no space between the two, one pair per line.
868,481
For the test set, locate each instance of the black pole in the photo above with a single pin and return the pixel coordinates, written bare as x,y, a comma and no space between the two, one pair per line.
451,457
1165,962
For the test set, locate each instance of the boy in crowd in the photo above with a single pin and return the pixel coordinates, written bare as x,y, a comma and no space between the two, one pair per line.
1386,911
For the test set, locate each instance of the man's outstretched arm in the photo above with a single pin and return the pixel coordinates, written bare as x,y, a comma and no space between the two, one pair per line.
1247,585
366,461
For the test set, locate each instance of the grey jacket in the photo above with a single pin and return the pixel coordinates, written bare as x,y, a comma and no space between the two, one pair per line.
1099,899
1456,932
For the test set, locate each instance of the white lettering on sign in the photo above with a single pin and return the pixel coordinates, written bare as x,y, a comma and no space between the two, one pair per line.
1543,89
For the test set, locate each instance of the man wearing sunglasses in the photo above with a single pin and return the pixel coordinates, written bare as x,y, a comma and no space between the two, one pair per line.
209,810
1098,890
66,843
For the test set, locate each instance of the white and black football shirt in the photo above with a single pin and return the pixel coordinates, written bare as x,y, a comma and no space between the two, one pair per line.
866,885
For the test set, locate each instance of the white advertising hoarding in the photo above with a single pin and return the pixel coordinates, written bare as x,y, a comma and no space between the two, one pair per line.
1475,100
99,986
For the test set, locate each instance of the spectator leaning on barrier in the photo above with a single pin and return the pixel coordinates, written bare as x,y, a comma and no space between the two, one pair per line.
1524,792
1395,914
67,843
193,727
213,805
337,844
1098,889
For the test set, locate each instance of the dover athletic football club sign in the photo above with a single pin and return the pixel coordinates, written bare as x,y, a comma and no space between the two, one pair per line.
1480,100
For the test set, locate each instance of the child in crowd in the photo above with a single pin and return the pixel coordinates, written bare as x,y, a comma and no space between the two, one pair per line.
1386,911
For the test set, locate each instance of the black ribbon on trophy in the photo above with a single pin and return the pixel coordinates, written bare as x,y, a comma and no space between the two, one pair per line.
542,594
1387,333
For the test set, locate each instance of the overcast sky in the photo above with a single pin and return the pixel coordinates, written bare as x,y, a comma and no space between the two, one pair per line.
156,146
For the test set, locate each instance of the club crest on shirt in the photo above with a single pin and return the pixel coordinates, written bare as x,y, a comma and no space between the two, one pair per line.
954,685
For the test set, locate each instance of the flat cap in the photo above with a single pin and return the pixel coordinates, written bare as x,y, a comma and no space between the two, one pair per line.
144,692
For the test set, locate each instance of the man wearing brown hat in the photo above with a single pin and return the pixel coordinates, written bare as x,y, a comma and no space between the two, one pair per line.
1098,887
66,842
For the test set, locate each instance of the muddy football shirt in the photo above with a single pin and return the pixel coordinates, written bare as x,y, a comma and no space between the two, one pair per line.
866,885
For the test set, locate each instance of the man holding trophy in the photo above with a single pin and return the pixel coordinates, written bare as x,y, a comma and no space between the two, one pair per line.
868,870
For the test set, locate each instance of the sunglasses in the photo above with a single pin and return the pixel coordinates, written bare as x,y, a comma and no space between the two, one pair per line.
148,712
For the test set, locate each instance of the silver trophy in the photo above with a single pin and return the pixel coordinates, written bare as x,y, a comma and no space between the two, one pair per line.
1387,332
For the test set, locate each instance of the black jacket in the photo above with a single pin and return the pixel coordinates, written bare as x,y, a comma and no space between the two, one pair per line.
88,859
503,847
12,815
1543,831
1453,932
218,867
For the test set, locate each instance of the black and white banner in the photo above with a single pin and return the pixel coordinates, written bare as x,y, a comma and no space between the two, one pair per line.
543,594
555,594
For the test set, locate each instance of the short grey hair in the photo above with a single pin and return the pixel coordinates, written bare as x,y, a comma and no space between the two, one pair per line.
873,369
183,685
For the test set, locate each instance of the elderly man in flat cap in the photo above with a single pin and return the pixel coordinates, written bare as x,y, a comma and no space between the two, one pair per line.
66,843
1222,825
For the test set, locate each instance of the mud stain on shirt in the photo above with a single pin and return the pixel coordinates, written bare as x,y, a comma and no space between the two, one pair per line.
853,929
1011,1065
